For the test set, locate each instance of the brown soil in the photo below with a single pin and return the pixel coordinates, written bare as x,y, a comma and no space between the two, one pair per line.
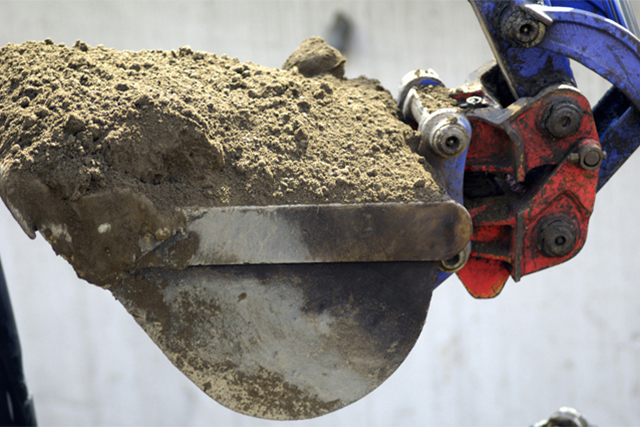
435,97
156,130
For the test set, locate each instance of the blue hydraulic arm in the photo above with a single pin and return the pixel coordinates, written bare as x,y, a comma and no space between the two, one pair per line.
532,41
514,37
620,12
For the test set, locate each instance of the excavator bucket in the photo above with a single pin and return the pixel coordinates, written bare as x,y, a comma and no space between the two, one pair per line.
273,231
284,341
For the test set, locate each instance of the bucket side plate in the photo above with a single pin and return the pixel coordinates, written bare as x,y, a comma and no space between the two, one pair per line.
284,341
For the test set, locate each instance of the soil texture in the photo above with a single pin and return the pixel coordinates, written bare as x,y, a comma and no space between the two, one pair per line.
130,137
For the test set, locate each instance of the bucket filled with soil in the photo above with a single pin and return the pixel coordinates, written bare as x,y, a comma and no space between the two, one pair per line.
111,155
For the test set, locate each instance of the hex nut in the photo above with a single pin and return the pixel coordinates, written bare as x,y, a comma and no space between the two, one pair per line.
557,237
563,119
522,29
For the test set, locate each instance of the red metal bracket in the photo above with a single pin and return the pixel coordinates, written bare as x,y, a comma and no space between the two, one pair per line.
530,184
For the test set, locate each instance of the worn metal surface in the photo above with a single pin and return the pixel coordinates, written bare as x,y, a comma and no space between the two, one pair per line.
522,176
535,161
449,169
620,141
273,340
279,312
610,50
284,341
584,31
264,308
527,70
316,233
619,11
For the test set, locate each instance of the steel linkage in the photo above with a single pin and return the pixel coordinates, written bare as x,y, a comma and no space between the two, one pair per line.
537,153
530,184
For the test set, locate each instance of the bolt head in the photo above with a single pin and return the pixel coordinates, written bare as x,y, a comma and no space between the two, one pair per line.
449,141
474,100
557,237
522,29
563,119
446,133
591,156
526,30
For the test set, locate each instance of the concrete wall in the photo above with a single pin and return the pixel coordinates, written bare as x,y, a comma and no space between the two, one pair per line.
566,336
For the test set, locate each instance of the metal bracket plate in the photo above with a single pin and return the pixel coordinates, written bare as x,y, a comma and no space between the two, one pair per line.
292,234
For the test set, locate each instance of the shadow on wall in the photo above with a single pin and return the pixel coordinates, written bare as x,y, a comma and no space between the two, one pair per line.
340,32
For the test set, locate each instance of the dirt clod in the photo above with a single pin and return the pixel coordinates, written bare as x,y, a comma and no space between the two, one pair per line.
314,57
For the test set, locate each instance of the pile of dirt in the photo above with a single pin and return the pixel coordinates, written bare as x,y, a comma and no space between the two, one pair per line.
156,130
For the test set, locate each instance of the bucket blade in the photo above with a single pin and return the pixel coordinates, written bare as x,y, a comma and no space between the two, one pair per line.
284,341
327,233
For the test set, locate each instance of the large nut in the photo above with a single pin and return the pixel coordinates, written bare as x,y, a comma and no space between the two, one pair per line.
557,237
446,132
522,29
563,119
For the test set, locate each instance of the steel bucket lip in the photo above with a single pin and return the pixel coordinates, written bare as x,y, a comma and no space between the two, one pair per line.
286,234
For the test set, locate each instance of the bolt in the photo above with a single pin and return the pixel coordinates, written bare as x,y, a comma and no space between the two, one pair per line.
456,262
446,141
557,237
474,100
563,119
527,31
521,28
591,156
446,132
452,143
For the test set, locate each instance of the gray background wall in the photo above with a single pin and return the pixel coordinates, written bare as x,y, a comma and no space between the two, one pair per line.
566,336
